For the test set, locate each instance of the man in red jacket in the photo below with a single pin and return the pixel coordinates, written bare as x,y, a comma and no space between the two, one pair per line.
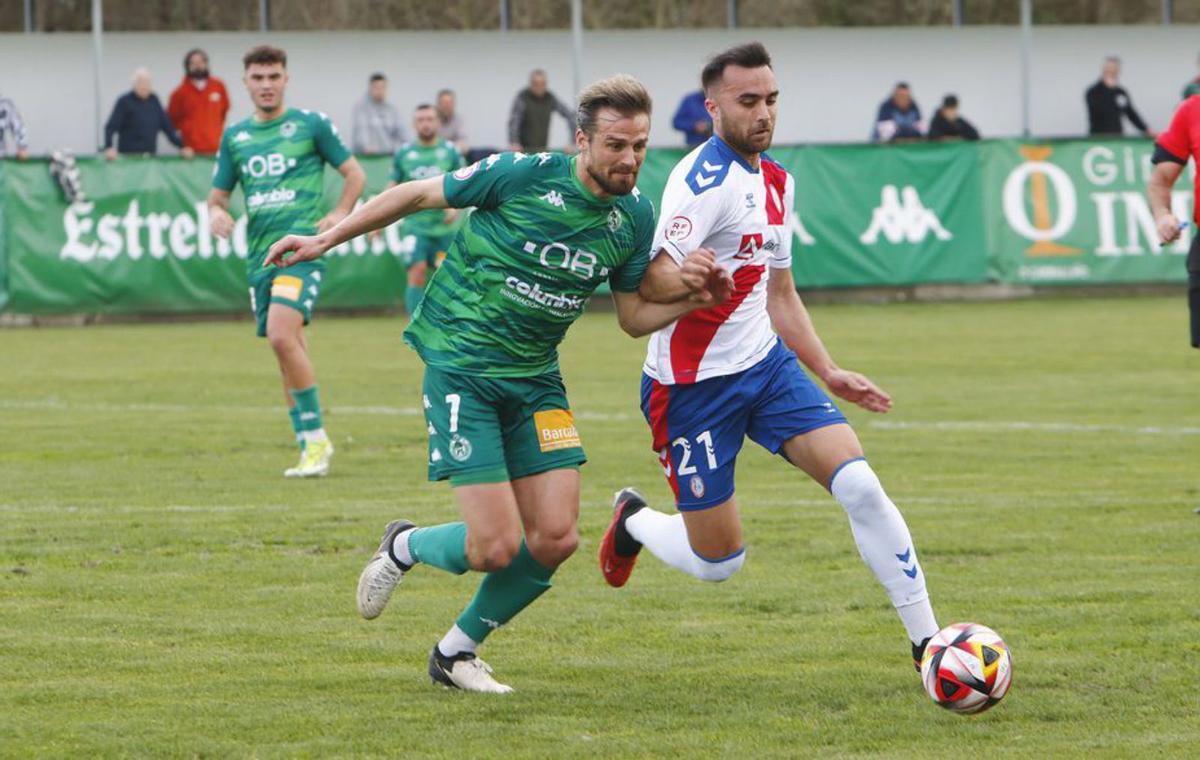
199,104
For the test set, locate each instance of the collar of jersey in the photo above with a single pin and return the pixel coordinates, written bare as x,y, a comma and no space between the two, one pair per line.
731,154
585,190
255,122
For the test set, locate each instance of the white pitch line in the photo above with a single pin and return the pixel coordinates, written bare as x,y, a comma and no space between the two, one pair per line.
980,426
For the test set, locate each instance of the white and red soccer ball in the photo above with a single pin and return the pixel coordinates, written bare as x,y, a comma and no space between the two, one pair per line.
967,668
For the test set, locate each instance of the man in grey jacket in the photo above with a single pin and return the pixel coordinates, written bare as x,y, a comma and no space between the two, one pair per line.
10,122
377,123
529,121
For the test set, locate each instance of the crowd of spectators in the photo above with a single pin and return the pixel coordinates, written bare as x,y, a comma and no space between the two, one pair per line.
198,109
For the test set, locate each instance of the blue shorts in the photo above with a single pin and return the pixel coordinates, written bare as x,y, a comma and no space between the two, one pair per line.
698,429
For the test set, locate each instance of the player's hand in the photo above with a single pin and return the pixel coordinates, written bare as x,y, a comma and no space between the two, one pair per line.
719,285
110,154
696,268
220,223
293,249
858,389
186,152
1168,229
330,220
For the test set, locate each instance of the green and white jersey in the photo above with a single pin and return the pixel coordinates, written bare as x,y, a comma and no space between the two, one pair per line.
522,268
281,165
416,161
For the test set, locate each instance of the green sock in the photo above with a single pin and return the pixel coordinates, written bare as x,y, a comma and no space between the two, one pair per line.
412,298
294,414
443,546
308,408
503,594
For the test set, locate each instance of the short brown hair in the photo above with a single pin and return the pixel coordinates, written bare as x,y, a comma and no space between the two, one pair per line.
752,55
265,54
622,93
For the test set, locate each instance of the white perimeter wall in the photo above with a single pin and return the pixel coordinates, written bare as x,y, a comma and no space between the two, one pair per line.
832,80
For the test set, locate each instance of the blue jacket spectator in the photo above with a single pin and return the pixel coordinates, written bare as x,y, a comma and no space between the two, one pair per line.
692,119
136,120
899,117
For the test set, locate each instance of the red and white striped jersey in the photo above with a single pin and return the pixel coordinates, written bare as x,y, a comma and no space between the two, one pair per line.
715,199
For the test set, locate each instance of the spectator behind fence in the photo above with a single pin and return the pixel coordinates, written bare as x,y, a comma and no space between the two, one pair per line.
11,123
377,127
948,123
899,117
1107,101
1192,87
692,119
136,120
450,123
529,120
199,104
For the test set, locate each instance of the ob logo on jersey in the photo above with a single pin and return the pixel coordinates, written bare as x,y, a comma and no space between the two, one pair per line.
750,245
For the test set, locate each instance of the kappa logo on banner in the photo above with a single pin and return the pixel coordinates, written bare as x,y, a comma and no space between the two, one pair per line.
902,218
287,287
556,430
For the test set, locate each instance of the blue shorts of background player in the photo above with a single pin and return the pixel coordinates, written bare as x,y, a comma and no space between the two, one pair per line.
699,428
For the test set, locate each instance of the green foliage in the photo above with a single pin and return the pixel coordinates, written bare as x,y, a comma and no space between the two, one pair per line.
164,591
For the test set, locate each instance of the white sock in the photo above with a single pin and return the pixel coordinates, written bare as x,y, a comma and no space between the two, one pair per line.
666,538
400,547
456,641
885,545
315,435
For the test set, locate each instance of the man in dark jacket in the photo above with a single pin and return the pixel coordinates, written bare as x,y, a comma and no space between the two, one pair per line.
692,119
1107,101
949,125
899,117
136,120
529,121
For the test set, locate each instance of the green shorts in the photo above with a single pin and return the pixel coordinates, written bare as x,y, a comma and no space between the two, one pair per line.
296,286
493,429
430,249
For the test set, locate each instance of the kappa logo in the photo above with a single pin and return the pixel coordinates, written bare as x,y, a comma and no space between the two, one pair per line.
493,624
554,198
750,245
242,136
902,218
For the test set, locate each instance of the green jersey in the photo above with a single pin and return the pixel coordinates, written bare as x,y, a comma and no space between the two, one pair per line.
522,268
281,165
416,161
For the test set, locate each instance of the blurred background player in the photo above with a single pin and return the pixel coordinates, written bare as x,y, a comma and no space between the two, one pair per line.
1174,146
721,374
427,156
279,155
548,229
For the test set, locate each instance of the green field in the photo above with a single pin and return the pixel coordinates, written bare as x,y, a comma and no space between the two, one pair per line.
164,591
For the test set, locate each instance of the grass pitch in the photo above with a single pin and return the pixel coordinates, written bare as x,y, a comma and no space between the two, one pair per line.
164,591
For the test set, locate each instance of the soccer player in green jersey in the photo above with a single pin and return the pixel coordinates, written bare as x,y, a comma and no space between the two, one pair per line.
432,230
279,155
546,232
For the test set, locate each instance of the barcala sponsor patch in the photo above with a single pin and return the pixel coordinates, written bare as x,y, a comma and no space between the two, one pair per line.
556,430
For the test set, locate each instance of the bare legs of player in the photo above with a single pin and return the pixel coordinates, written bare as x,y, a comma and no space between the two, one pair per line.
285,332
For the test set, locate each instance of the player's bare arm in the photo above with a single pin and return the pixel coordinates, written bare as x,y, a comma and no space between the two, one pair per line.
220,223
791,321
667,281
354,179
639,317
380,211
1158,189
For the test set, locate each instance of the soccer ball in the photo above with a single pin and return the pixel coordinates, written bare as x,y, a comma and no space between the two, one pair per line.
966,668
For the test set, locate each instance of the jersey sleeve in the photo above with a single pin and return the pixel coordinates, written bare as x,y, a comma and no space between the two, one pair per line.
1175,140
224,172
328,142
686,219
627,278
782,258
487,182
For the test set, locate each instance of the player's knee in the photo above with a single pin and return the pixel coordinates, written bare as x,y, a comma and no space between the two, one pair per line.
717,570
855,485
282,341
553,547
495,553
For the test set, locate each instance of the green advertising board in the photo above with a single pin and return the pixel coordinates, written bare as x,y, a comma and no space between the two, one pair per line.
1036,212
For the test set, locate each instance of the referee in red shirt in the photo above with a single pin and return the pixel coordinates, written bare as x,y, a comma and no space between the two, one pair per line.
1174,147
199,104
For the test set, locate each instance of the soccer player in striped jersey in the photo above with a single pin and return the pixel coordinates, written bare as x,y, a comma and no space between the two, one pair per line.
547,230
278,155
718,375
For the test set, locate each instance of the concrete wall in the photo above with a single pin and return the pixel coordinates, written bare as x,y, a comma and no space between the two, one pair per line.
832,80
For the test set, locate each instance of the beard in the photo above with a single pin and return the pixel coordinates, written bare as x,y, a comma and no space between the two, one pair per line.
747,142
198,73
613,185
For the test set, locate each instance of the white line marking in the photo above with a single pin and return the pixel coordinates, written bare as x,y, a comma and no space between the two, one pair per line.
980,426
